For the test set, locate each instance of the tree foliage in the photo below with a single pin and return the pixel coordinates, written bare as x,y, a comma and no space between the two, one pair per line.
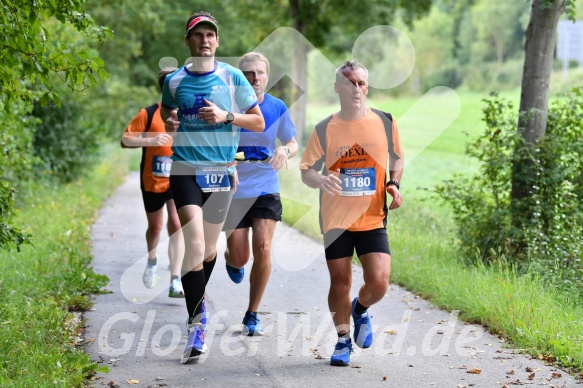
45,48
31,56
325,24
16,168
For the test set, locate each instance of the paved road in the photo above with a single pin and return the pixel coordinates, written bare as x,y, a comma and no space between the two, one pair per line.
139,333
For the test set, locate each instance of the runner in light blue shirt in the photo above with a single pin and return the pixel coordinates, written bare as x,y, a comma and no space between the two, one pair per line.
198,141
203,105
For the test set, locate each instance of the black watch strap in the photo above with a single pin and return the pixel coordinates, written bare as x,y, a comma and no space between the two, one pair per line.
394,182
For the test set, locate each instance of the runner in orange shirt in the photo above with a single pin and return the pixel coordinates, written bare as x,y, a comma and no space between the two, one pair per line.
147,131
354,145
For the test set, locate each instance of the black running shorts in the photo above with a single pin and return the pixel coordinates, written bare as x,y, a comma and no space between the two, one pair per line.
342,243
155,201
243,210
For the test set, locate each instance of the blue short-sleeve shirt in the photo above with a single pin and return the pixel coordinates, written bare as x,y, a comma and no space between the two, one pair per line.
257,179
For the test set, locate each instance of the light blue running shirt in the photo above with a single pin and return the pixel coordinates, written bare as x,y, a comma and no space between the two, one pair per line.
257,179
196,141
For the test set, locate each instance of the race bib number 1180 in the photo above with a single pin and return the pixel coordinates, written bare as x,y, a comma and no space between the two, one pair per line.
358,181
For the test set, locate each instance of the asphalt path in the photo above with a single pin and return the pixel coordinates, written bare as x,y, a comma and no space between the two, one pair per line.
139,334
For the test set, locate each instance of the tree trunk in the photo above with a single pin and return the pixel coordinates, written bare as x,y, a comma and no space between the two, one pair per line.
532,122
538,62
299,92
299,75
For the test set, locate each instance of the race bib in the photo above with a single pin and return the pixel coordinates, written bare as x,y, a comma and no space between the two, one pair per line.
211,179
358,181
161,166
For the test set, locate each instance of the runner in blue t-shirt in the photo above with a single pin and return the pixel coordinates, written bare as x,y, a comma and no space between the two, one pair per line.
203,104
256,203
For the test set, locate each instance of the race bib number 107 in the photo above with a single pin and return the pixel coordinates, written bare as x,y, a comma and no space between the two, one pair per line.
358,181
212,179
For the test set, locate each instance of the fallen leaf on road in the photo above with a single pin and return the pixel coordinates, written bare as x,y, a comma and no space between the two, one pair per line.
390,332
474,371
510,372
517,382
557,375
531,376
528,369
385,378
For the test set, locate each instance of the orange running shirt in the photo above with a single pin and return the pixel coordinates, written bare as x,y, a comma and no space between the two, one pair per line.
359,149
149,181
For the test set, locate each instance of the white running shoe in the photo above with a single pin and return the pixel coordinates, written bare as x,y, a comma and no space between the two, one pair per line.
176,290
150,279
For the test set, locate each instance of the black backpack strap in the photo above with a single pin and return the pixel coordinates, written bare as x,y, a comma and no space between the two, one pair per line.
387,119
321,163
321,132
150,110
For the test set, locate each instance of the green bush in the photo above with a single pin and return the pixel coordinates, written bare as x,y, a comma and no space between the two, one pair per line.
555,236
554,222
481,203
65,146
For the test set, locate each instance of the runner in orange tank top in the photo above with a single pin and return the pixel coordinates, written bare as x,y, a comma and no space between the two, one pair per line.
147,131
354,145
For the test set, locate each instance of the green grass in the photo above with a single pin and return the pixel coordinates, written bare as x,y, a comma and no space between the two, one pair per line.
530,315
44,283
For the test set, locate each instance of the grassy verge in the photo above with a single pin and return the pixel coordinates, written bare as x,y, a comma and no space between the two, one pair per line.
42,285
530,315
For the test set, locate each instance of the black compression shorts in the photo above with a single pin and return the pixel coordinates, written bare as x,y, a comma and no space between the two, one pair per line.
186,191
342,243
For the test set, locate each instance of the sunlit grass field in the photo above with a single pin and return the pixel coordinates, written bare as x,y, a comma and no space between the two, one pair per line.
422,235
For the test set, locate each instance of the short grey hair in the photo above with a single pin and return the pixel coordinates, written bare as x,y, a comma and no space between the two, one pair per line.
252,57
353,65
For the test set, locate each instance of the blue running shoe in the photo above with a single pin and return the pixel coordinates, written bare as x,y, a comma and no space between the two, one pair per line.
362,328
203,319
203,313
236,274
194,344
252,324
341,355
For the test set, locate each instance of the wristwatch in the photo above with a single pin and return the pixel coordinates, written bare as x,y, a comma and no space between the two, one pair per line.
230,118
393,182
287,150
